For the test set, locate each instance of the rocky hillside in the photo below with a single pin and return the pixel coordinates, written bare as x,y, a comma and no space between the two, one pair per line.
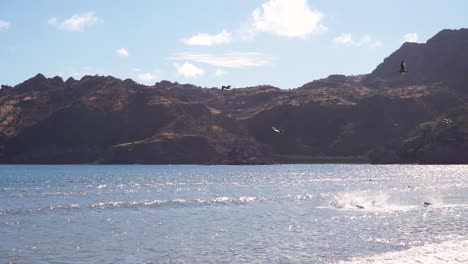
443,140
107,120
384,116
443,59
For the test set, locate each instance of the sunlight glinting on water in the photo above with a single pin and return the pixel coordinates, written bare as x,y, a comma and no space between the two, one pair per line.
247,214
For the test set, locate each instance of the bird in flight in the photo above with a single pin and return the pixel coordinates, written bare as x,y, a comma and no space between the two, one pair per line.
225,87
403,69
277,130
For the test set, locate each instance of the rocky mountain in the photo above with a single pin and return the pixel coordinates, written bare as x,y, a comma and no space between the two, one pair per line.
443,140
107,120
443,59
382,116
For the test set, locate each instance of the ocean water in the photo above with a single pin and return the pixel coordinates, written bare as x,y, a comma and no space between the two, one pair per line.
234,214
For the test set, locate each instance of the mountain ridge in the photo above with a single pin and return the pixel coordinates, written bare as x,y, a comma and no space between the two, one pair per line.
103,119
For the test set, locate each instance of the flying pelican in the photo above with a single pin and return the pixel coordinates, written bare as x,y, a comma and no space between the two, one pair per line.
403,69
277,130
225,87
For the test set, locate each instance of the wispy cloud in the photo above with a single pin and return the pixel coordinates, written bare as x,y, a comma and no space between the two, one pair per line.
227,60
288,18
189,70
204,39
122,52
344,39
4,24
347,39
219,73
410,37
75,23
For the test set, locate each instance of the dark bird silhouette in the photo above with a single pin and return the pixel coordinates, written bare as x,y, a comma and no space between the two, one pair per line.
225,87
426,204
403,69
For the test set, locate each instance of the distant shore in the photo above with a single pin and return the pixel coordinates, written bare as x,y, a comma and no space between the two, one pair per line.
295,159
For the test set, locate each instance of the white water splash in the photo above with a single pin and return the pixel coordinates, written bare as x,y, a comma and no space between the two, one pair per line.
370,201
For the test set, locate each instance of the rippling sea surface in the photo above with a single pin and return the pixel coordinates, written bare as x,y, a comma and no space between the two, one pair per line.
234,214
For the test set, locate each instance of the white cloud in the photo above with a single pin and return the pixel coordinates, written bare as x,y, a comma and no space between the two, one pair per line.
344,39
227,60
147,77
122,52
204,39
220,72
189,70
347,39
288,18
76,23
410,37
4,24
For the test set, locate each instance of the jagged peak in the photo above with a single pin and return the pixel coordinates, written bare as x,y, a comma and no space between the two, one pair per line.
130,81
90,77
164,84
36,83
70,80
98,78
57,80
39,76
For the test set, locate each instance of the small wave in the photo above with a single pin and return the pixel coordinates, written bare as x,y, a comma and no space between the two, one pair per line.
137,204
452,251
39,210
56,193
222,200
177,202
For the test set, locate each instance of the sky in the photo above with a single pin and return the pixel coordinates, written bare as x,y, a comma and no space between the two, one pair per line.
285,43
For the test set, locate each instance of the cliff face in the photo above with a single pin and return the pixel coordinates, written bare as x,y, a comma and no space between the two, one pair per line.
443,59
389,117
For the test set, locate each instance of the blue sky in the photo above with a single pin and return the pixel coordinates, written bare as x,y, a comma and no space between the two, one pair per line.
285,43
